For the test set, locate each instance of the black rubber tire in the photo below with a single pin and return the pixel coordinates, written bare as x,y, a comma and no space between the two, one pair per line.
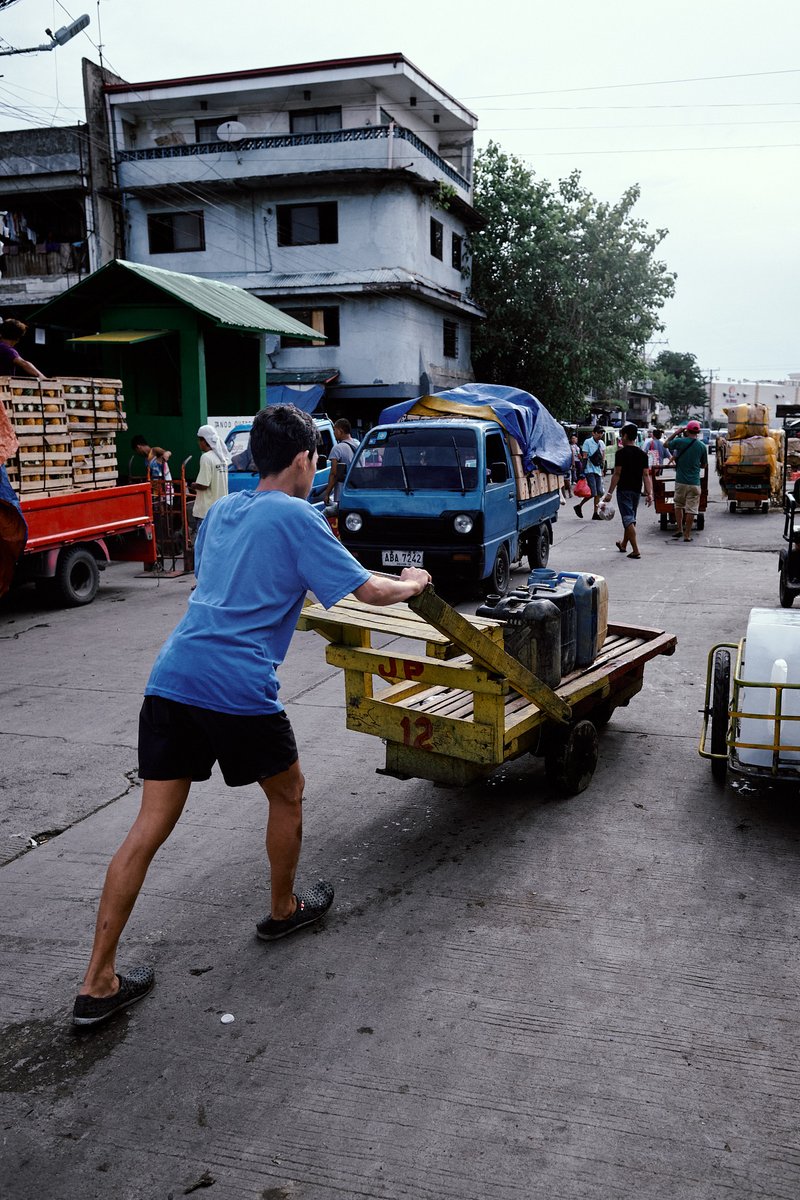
500,578
602,714
720,696
732,506
701,521
77,577
786,594
663,522
765,506
571,758
539,547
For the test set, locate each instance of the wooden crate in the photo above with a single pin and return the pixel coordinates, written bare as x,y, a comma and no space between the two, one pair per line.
94,460
34,406
537,483
94,404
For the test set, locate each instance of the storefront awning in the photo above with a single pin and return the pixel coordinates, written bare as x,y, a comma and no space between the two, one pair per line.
122,337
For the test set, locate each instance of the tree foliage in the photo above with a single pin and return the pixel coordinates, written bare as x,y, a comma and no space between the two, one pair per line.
678,382
570,285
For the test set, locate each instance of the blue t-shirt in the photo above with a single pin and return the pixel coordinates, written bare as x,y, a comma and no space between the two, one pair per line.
256,556
590,447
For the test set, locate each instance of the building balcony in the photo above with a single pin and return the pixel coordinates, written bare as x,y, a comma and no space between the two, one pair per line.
336,152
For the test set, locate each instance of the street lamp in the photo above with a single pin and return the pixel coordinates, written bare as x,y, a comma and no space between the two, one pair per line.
60,38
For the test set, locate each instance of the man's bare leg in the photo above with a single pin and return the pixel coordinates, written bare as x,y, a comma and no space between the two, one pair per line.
284,836
162,804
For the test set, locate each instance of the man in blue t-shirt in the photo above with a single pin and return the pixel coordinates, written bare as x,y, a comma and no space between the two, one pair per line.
691,460
212,695
593,453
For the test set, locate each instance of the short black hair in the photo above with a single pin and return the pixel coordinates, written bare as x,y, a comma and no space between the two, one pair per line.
598,429
13,329
343,424
630,430
139,440
280,432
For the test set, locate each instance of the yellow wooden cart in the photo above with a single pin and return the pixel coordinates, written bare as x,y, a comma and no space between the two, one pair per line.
462,707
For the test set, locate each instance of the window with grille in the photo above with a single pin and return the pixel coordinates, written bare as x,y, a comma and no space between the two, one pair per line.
450,339
175,232
325,320
437,238
308,224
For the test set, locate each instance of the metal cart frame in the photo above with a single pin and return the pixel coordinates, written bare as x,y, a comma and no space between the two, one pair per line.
720,742
664,496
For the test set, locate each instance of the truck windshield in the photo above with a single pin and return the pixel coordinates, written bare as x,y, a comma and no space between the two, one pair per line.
416,459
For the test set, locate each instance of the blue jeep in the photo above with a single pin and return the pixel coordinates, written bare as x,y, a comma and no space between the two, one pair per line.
242,473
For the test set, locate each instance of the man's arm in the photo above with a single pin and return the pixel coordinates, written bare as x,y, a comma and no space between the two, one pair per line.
388,589
648,486
29,369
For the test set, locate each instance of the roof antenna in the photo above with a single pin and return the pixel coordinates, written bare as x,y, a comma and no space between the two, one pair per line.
99,36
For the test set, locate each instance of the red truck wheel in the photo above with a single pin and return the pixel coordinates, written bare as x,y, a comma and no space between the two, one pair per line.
77,576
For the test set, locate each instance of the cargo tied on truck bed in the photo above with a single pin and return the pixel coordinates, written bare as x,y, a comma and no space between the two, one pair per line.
463,483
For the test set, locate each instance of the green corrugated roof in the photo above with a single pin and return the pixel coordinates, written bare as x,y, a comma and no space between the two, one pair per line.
230,307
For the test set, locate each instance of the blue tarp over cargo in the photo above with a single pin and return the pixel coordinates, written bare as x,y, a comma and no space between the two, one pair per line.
543,442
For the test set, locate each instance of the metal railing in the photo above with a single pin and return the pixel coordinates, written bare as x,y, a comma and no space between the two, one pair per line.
282,141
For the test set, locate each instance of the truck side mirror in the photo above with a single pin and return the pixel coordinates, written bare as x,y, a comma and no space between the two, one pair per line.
322,462
498,472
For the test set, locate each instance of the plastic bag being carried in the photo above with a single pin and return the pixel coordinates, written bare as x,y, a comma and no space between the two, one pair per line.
606,509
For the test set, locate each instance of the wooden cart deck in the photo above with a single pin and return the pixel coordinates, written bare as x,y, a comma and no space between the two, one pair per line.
463,707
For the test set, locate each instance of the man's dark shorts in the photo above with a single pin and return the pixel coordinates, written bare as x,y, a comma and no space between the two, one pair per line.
181,741
595,482
628,504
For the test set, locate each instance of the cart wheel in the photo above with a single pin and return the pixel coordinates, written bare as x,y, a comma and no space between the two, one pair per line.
720,695
701,520
765,506
785,593
77,576
602,714
572,757
663,522
539,547
732,506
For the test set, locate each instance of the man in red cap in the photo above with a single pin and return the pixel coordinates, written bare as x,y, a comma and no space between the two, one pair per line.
691,459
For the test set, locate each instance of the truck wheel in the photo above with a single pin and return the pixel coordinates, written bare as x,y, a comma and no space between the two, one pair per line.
77,576
732,506
720,693
539,547
571,758
663,522
765,506
701,521
500,578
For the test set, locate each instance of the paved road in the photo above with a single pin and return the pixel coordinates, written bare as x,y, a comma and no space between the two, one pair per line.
515,997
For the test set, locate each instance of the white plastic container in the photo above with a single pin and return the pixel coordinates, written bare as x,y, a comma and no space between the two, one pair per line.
772,655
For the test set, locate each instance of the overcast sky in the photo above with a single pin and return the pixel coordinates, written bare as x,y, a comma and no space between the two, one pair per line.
697,101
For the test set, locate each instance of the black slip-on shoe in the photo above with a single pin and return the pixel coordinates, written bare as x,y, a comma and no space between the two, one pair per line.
312,904
92,1010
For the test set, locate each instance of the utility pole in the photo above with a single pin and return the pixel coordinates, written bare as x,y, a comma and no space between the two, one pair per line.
712,371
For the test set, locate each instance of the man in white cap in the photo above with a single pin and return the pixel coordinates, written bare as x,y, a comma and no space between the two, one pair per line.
212,478
691,458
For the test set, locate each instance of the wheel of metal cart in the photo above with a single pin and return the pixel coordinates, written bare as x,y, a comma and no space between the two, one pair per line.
786,594
732,506
602,714
539,547
720,695
701,520
663,522
77,576
571,758
500,578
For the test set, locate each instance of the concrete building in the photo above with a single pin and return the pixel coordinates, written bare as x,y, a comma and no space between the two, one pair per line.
44,215
339,191
769,392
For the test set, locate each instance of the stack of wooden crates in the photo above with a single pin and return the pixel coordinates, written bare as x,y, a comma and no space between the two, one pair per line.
66,429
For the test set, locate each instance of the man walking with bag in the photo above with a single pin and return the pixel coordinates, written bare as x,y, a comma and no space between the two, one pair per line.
593,453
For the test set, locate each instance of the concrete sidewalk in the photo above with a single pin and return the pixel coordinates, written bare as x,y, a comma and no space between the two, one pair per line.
515,997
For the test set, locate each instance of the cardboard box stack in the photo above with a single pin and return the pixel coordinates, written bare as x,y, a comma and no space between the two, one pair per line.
535,484
66,429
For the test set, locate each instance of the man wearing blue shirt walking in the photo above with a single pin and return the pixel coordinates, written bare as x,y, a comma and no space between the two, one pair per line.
593,453
212,695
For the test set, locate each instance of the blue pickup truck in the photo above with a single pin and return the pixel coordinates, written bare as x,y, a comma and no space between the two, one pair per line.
446,486
242,473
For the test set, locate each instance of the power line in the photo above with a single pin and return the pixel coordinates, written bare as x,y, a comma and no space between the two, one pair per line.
603,87
657,150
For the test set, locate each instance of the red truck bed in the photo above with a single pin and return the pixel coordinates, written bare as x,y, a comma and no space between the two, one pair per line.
55,521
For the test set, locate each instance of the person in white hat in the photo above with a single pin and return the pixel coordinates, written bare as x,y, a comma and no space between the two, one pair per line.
212,478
